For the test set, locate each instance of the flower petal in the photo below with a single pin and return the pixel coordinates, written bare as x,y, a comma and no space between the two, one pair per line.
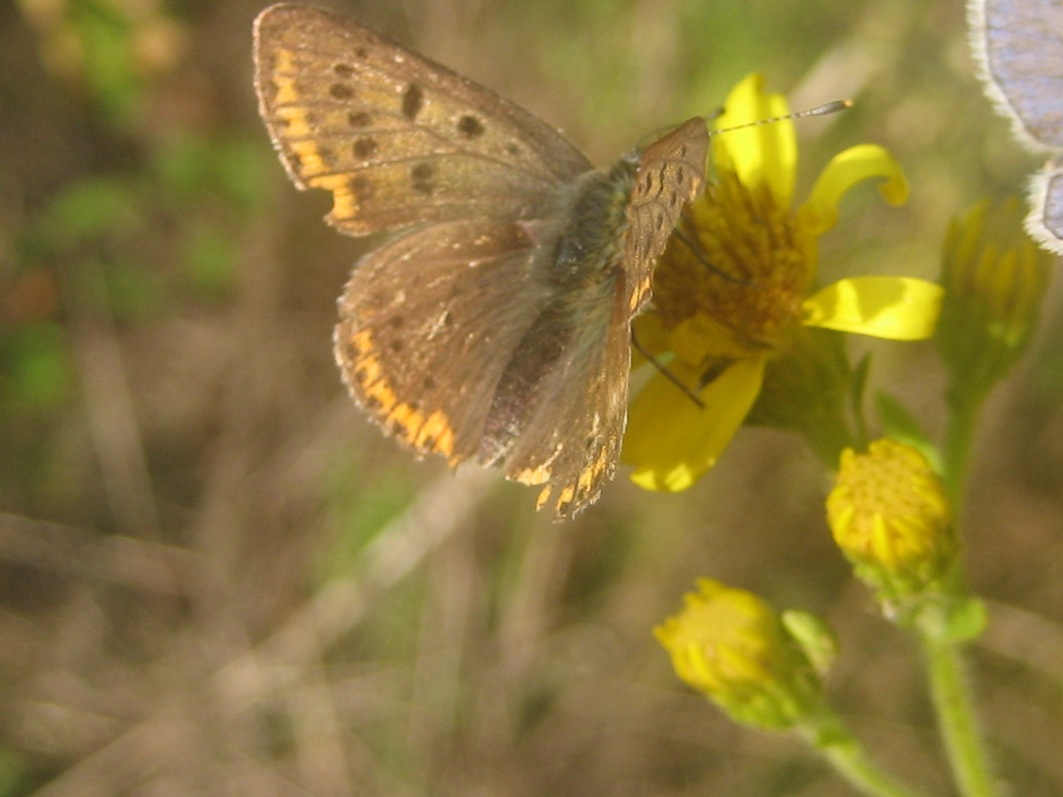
846,169
649,336
671,441
700,337
898,308
757,153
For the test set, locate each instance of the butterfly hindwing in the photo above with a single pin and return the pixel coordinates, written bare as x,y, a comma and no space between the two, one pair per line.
571,444
1045,219
398,139
428,322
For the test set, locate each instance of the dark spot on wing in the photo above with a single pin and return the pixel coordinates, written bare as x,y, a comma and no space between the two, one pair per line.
470,127
345,71
364,147
412,101
341,91
361,52
358,119
422,175
361,187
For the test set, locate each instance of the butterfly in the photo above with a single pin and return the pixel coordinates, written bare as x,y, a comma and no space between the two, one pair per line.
1019,44
494,323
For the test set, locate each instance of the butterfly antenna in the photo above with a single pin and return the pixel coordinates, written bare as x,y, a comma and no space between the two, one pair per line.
675,380
820,110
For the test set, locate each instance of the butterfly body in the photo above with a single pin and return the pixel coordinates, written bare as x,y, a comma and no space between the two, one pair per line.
495,324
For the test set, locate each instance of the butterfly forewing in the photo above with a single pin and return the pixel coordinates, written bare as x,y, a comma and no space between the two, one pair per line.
671,172
397,139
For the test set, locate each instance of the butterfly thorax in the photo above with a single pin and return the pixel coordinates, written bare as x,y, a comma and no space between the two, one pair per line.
590,243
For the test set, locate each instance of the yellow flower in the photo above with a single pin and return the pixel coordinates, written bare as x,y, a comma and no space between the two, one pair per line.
995,279
732,290
890,516
731,646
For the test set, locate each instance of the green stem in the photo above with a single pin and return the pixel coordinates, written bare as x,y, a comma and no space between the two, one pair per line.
957,450
849,758
955,715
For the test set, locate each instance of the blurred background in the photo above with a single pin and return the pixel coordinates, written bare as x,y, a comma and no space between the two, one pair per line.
217,578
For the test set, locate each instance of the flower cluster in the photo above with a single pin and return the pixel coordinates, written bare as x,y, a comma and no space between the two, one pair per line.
735,290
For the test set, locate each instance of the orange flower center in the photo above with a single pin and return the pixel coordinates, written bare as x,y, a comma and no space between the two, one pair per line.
741,260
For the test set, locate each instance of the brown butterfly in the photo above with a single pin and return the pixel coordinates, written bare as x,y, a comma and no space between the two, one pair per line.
495,323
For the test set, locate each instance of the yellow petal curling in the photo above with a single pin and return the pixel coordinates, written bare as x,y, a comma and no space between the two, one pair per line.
845,170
